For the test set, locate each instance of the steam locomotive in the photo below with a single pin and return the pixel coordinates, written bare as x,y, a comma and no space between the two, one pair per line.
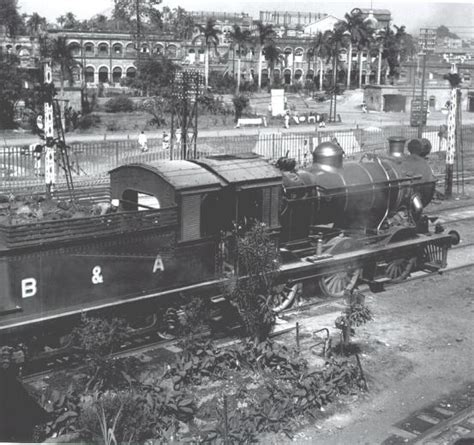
335,223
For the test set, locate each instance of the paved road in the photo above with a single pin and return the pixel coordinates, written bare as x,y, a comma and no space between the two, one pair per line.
350,120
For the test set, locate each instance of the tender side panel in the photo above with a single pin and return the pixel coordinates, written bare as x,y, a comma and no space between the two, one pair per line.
82,277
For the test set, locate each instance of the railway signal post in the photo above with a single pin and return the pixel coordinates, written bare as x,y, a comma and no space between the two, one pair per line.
187,87
50,168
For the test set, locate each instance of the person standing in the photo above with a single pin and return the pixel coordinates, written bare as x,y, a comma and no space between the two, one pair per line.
143,141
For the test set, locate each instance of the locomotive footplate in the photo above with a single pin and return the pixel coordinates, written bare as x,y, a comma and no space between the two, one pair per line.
314,267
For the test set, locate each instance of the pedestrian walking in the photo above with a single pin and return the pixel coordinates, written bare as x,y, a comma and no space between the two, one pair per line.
287,119
143,141
166,140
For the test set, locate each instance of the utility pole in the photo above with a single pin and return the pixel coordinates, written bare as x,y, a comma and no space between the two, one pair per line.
419,106
422,98
139,28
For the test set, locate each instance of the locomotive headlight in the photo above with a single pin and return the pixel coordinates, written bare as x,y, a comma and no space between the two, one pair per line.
416,206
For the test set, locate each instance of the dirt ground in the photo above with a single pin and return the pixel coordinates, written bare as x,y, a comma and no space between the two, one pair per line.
418,347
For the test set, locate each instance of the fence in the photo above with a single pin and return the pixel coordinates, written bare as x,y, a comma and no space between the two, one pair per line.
92,161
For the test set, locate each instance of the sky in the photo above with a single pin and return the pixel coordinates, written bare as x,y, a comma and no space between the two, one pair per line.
458,16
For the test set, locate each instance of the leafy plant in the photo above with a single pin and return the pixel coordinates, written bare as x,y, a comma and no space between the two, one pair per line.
355,314
63,409
251,290
98,338
118,104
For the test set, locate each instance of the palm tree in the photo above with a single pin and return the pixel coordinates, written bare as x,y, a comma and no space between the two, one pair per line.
273,56
317,49
35,24
334,41
61,20
211,38
264,35
240,39
61,56
382,42
359,33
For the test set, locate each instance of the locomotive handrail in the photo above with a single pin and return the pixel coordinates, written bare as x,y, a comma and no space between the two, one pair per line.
355,186
340,191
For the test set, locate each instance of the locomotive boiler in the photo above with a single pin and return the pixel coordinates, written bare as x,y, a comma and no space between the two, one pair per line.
357,196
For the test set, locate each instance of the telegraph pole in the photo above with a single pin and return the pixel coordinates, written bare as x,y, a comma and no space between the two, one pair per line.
422,97
419,106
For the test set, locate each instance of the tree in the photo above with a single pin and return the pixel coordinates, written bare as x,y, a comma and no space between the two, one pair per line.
264,35
211,38
36,24
10,18
137,13
359,34
180,23
61,57
11,89
240,39
155,75
394,48
70,21
318,49
334,41
61,20
273,56
443,31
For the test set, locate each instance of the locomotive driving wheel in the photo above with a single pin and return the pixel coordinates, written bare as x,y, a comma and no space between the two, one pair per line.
334,285
399,269
284,296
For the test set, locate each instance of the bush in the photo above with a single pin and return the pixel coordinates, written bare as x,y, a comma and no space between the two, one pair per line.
88,121
240,103
113,126
119,103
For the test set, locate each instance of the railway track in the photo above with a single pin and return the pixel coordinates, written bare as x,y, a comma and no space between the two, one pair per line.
461,257
141,342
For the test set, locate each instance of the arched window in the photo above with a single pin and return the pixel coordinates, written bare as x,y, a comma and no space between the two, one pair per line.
89,74
131,72
89,49
202,54
299,55
76,74
117,49
171,51
103,49
145,49
103,74
298,75
75,49
130,49
287,76
158,49
116,74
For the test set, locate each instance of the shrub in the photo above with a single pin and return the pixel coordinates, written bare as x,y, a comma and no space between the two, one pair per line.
88,121
119,103
240,103
113,126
